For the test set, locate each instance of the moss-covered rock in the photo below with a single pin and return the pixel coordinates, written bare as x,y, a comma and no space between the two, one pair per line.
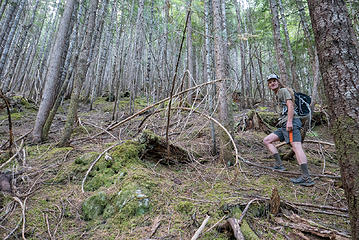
94,206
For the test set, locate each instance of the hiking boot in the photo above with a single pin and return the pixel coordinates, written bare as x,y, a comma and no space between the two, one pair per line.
280,167
303,181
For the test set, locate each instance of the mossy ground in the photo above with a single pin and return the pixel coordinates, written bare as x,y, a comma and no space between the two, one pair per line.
125,193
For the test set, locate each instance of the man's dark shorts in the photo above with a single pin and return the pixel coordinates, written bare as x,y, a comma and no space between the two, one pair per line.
284,135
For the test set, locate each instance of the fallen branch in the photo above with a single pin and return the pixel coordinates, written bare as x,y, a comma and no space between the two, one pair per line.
220,220
23,208
155,226
11,136
311,227
91,124
221,126
245,210
288,172
13,156
234,223
93,164
308,141
200,229
112,126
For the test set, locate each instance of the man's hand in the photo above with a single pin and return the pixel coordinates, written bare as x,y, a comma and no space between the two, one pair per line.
289,127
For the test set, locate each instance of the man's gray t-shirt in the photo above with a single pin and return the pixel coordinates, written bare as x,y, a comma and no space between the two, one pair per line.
282,96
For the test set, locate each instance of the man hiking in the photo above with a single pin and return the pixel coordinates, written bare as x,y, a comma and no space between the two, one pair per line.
288,131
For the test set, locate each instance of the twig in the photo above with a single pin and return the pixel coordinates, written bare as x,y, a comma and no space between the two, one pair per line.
93,164
48,225
220,220
320,207
245,210
200,229
308,141
11,136
91,124
12,231
155,226
13,156
221,126
23,207
288,172
174,77
112,126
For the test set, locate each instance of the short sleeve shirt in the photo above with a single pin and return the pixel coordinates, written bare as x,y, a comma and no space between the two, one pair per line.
282,96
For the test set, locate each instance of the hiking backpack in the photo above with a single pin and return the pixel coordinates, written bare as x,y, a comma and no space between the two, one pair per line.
302,104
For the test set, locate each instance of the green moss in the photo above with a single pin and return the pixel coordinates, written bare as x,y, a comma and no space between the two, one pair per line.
113,167
245,228
94,206
14,116
184,207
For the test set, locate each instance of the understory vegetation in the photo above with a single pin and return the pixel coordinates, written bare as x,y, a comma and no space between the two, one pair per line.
133,190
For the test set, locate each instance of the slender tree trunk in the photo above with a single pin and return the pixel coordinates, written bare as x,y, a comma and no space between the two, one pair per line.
208,69
82,67
2,7
242,48
65,73
294,76
312,52
19,47
190,58
338,61
6,24
53,73
11,35
278,42
221,73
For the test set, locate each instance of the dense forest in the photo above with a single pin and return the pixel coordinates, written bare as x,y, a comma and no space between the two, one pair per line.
145,119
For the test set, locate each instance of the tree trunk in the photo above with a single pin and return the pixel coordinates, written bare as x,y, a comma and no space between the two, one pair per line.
208,70
278,42
338,61
190,58
11,35
18,48
7,23
53,73
82,67
312,53
221,73
294,79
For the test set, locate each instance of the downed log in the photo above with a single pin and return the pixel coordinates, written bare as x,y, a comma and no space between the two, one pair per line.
265,120
309,227
156,150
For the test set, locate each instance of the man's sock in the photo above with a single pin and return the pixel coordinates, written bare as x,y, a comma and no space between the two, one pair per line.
278,161
305,171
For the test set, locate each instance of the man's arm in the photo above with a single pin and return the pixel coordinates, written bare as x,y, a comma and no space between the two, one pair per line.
290,106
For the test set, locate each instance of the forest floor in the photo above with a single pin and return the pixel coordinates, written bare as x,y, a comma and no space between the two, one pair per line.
133,193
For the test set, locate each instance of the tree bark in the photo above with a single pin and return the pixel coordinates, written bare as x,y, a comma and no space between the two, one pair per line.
190,58
278,42
221,73
208,72
80,75
53,73
293,68
338,60
312,53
